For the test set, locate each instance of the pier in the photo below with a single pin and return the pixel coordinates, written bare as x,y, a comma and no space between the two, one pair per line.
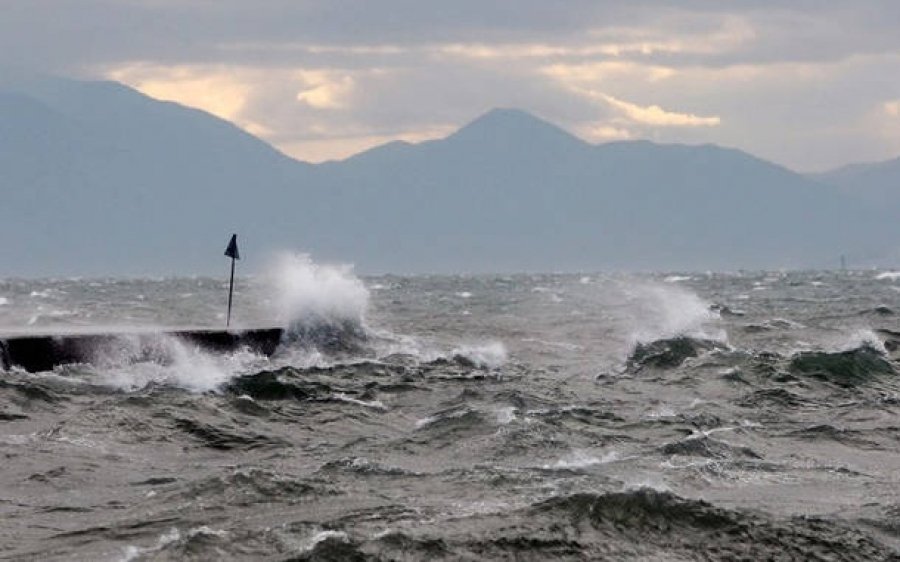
43,352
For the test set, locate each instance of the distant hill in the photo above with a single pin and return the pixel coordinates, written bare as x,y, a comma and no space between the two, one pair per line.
512,192
98,178
877,183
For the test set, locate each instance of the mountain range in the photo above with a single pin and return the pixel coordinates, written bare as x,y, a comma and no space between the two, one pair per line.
96,179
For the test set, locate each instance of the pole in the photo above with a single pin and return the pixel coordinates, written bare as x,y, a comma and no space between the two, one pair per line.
230,292
232,252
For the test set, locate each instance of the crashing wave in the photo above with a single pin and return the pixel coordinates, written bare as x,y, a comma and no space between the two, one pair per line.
321,306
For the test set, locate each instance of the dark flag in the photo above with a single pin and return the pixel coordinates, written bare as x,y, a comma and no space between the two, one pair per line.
232,250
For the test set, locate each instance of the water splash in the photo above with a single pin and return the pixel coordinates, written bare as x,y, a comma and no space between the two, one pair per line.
658,312
133,362
307,292
322,306
489,355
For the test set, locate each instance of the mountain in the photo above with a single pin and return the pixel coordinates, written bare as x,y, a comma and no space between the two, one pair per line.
512,192
98,178
876,183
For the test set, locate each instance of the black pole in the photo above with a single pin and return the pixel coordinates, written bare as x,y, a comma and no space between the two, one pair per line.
232,252
230,292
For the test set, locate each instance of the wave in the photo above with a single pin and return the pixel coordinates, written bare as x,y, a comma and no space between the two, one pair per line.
582,459
27,393
774,324
320,306
777,398
366,467
881,310
826,432
452,419
846,369
491,355
707,447
322,309
641,524
584,414
667,311
285,384
668,353
724,310
224,437
635,524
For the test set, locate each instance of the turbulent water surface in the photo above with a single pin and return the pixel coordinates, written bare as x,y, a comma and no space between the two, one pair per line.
659,417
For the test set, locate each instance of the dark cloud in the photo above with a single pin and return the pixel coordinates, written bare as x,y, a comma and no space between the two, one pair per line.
59,35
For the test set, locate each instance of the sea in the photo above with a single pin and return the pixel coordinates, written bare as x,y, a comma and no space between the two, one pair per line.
596,416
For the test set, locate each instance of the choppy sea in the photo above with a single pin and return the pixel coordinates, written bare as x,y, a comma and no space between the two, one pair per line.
710,416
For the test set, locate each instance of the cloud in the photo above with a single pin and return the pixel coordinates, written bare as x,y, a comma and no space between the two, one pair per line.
330,147
892,108
572,75
655,115
324,89
602,132
220,90
579,78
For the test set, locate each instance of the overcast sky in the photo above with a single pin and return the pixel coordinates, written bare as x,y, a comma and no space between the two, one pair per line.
808,84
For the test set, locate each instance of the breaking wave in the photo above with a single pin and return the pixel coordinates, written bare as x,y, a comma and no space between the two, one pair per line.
321,306
669,311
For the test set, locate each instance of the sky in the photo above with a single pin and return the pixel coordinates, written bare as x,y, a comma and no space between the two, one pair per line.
811,85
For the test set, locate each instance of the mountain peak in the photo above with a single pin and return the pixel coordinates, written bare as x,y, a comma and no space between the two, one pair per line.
506,115
512,125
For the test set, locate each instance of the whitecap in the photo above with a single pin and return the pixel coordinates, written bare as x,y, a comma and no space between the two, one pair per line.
374,404
582,459
133,552
661,412
133,362
323,536
506,415
490,355
420,423
650,482
862,337
560,344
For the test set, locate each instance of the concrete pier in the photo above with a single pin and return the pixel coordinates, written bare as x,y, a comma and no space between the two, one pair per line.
43,352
